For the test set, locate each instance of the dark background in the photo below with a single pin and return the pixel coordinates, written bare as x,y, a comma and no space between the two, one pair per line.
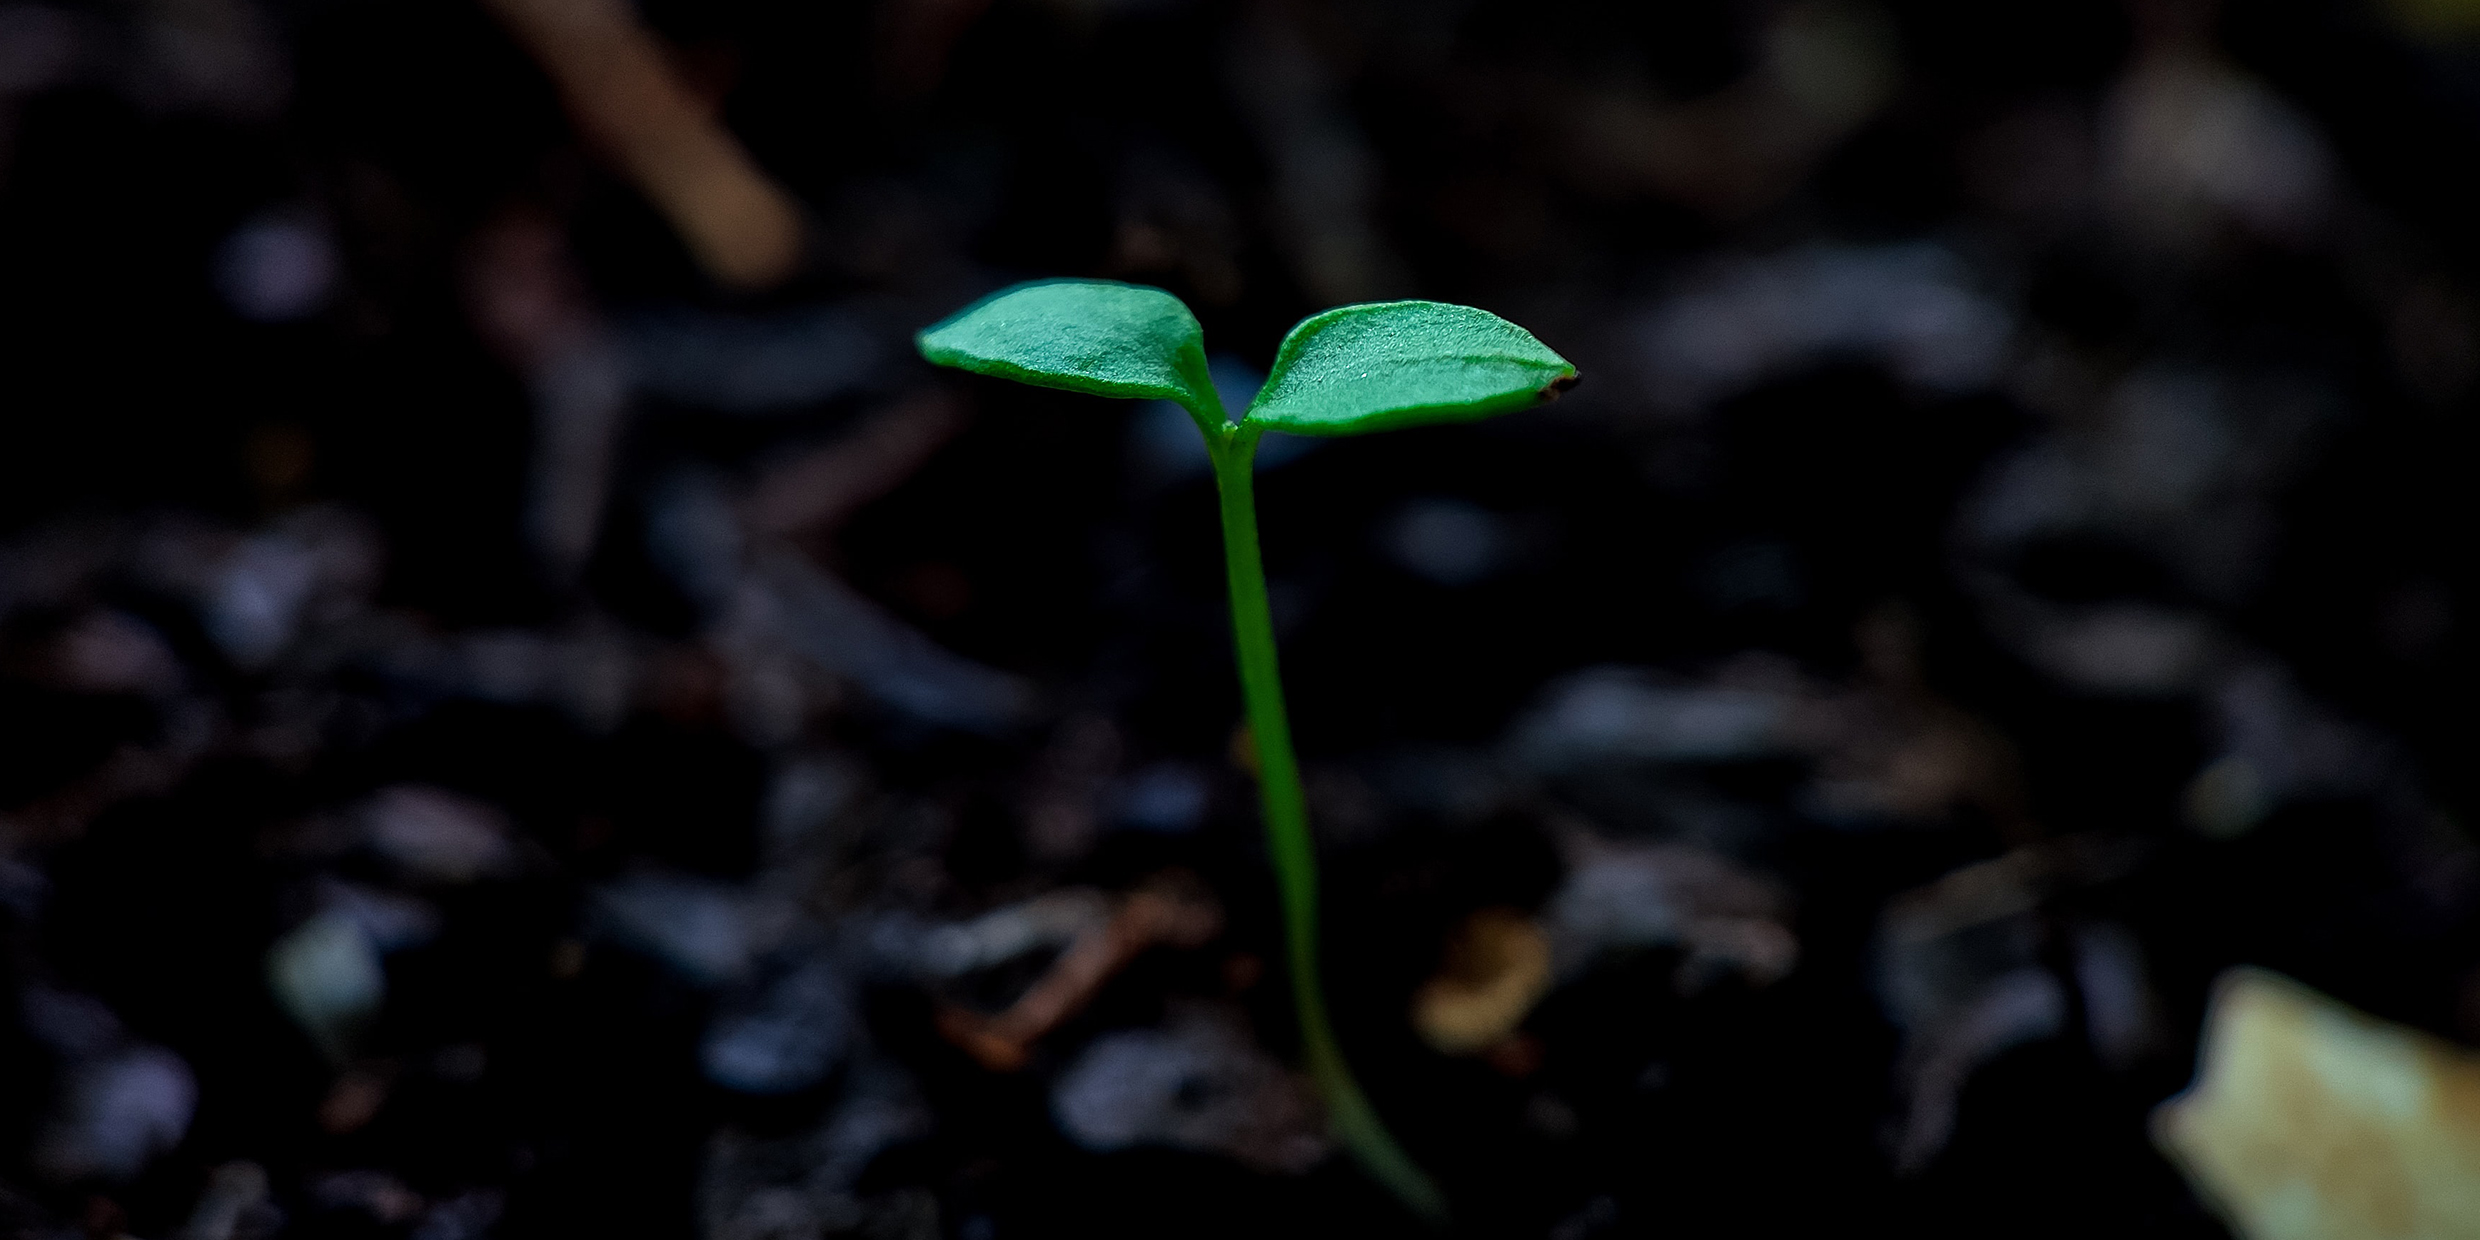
2118,359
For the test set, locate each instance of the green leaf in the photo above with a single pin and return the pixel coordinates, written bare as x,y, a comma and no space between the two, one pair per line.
1356,369
1096,336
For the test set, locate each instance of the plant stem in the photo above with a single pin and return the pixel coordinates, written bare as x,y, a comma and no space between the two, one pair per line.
1355,1122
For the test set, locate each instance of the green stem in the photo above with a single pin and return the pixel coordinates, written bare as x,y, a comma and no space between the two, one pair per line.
1355,1122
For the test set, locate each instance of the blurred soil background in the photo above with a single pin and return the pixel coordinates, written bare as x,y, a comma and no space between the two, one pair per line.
526,711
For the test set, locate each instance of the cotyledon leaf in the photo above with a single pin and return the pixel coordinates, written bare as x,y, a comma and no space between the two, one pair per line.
1095,336
1374,367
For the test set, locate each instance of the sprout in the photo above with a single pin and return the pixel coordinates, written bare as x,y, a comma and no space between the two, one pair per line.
1347,371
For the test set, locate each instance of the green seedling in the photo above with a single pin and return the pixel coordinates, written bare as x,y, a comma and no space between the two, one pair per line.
1348,371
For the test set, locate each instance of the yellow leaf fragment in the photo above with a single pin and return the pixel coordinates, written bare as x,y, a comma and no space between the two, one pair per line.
2311,1121
1497,968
